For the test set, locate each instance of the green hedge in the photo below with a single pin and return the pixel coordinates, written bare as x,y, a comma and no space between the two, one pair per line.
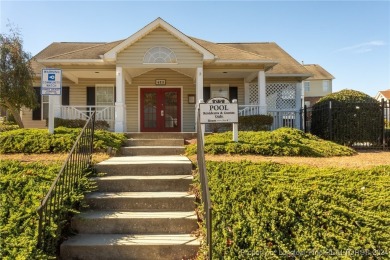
280,142
273,211
255,122
22,188
6,127
40,141
79,123
354,118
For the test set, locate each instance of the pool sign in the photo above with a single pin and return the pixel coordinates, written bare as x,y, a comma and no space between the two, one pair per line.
218,110
51,82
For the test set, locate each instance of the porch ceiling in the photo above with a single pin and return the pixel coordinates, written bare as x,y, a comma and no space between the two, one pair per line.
230,73
75,75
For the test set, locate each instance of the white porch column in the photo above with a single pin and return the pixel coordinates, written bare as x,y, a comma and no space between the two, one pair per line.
262,93
199,84
120,107
54,111
199,93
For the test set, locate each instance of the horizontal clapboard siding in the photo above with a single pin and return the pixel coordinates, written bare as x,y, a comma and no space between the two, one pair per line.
133,55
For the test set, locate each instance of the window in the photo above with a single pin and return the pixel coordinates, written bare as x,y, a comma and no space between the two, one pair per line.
325,86
306,85
307,103
104,95
160,55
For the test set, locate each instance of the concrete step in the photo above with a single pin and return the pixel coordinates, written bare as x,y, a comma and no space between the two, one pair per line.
154,142
141,201
152,150
144,183
145,165
154,135
122,222
121,247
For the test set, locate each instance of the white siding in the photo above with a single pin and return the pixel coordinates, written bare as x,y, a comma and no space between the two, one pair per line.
133,56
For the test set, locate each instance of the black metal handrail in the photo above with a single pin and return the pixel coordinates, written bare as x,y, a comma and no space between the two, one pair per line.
50,210
204,186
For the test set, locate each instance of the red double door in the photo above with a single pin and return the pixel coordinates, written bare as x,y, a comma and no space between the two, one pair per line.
160,109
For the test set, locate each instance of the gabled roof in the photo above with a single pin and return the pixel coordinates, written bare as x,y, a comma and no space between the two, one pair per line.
385,94
276,60
318,72
111,54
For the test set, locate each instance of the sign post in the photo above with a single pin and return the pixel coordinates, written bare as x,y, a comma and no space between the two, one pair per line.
220,110
51,84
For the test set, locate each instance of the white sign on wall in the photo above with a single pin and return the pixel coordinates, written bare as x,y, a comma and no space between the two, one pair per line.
218,110
51,82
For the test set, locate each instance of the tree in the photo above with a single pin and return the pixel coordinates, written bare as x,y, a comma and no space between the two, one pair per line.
16,75
351,118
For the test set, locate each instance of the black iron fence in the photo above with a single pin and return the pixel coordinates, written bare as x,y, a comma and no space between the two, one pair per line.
358,125
52,216
204,186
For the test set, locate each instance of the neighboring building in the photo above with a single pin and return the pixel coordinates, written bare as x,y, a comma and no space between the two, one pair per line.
152,80
384,94
318,85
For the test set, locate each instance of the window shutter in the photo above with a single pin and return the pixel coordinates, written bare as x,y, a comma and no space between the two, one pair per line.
91,96
114,95
233,93
206,94
65,96
36,113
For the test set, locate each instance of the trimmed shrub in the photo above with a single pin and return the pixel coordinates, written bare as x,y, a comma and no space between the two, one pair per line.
354,118
280,142
245,123
275,211
255,122
5,127
23,186
40,141
79,123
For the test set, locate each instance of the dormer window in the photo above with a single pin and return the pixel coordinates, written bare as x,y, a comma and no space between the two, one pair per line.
159,55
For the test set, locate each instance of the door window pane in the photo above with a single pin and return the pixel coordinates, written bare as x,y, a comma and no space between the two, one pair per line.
170,115
150,110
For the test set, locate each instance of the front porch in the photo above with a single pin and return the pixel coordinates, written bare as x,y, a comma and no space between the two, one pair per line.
283,103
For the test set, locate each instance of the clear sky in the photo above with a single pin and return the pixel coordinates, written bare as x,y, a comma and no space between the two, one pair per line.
350,39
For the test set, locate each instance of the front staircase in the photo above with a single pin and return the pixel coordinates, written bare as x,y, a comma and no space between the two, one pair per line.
142,209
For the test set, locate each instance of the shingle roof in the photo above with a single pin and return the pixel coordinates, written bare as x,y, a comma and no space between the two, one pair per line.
385,93
286,65
318,72
70,50
225,52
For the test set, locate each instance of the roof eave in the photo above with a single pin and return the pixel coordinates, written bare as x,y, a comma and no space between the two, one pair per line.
81,61
303,76
247,61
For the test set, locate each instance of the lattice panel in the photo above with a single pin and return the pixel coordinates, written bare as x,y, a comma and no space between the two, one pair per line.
253,94
280,96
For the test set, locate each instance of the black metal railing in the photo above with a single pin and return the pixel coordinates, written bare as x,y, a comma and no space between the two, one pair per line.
358,125
204,187
51,214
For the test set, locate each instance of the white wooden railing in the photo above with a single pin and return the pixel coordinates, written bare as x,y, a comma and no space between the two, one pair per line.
106,113
282,118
